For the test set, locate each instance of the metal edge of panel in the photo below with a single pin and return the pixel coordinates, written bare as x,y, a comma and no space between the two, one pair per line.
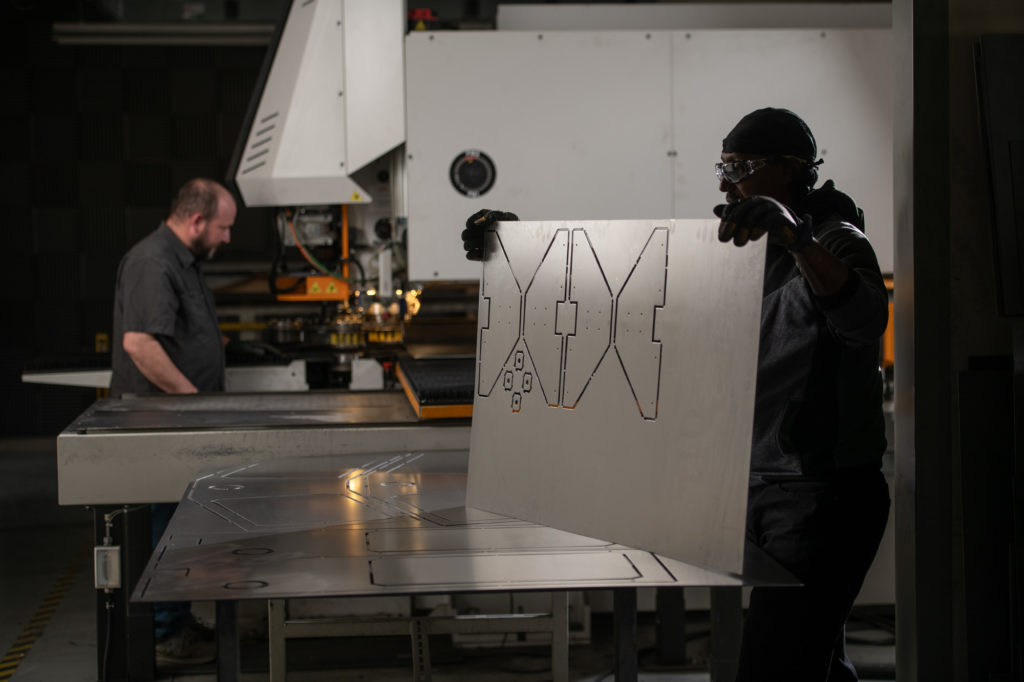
214,33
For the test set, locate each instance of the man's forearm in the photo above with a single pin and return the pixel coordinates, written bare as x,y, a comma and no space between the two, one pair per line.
153,362
825,273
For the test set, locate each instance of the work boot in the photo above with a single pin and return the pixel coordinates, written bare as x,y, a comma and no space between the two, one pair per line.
193,645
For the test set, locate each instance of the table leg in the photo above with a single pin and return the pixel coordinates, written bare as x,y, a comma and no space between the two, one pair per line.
726,632
560,636
229,660
124,630
670,628
277,641
625,634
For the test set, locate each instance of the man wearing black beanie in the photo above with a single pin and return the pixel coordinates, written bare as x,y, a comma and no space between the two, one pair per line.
818,503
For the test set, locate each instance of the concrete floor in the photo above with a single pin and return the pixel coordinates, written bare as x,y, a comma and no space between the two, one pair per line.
48,626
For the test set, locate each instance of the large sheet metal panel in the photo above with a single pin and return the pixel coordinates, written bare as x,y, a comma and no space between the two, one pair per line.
839,81
615,383
627,124
576,125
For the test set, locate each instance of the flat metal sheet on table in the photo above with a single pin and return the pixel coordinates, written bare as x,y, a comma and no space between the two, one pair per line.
390,523
615,382
241,411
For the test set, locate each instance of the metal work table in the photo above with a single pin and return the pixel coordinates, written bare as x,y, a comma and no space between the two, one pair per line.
149,448
391,524
121,455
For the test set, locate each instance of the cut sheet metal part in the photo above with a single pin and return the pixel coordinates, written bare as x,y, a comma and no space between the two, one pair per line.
615,383
390,523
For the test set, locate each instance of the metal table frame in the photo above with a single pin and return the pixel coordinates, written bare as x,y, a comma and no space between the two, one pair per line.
419,628
726,615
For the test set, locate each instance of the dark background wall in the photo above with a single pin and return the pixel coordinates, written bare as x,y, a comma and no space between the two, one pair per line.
96,141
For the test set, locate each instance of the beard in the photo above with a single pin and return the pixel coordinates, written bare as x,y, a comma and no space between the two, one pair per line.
202,250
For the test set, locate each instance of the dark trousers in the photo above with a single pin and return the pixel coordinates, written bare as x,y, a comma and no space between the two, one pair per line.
826,533
169,617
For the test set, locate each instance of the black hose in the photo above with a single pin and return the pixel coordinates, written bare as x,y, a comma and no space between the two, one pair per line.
106,640
275,268
354,261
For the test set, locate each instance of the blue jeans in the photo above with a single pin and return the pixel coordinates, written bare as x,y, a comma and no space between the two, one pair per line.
169,617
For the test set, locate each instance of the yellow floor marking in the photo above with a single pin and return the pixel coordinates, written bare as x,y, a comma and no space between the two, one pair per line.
33,630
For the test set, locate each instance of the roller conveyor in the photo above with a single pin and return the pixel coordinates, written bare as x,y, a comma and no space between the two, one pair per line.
438,387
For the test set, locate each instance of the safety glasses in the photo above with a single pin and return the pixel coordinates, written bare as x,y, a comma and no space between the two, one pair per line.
738,171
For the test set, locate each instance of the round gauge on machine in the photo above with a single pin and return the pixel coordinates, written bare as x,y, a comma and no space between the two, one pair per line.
472,173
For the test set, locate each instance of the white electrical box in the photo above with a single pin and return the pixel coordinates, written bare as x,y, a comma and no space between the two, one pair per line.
107,567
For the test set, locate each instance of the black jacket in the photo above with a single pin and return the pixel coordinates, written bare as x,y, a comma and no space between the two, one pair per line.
818,407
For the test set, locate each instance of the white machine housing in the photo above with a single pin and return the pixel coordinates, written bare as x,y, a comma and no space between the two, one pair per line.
333,102
666,16
628,124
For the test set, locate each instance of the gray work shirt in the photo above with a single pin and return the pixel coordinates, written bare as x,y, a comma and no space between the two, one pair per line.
160,291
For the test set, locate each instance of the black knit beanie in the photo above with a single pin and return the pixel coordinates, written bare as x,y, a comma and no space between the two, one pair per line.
773,132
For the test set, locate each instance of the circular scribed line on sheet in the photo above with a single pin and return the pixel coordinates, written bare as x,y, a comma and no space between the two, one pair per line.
472,173
246,585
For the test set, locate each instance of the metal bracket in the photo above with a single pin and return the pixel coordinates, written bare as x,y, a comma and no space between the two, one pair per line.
420,651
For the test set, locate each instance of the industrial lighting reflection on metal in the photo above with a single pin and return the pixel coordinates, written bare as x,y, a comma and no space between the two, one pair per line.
353,479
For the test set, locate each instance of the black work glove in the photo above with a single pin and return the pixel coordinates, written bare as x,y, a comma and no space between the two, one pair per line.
476,229
749,219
